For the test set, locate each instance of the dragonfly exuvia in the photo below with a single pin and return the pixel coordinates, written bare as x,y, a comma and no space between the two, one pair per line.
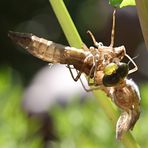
100,63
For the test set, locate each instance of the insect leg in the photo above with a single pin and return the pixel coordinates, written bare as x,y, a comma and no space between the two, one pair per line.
78,72
94,40
95,70
78,77
72,75
94,67
89,76
89,89
135,68
85,47
84,87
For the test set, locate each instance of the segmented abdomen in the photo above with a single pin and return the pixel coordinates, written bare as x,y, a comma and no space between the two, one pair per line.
39,47
51,52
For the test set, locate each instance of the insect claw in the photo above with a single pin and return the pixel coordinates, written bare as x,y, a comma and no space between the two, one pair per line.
93,39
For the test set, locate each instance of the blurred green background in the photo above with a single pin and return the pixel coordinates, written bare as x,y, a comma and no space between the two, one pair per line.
42,107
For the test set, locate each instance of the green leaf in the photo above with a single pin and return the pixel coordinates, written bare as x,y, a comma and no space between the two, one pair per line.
115,3
122,3
127,3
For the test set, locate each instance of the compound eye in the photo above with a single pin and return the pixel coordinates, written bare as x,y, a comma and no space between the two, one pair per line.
111,77
110,69
122,70
111,80
114,74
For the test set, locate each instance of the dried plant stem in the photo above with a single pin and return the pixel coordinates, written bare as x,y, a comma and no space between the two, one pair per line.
75,40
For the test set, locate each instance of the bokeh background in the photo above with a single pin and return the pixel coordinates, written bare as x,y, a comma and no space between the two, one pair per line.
40,105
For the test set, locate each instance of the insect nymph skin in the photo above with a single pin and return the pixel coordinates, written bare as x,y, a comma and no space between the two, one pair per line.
92,61
101,63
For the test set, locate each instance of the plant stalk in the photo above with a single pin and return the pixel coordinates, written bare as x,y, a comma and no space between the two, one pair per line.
142,9
66,23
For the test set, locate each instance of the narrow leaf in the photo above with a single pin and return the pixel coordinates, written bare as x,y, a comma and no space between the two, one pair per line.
121,3
127,3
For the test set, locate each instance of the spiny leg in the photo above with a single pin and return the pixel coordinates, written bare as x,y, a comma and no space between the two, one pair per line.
78,78
93,70
94,67
83,85
135,68
113,29
78,72
72,75
89,76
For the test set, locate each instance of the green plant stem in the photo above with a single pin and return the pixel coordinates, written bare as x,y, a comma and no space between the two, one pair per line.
66,23
75,40
142,8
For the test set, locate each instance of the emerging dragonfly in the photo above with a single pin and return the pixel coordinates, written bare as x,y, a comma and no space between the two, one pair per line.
100,63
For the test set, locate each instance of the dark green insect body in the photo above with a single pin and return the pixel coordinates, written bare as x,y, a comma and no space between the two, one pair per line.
114,74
